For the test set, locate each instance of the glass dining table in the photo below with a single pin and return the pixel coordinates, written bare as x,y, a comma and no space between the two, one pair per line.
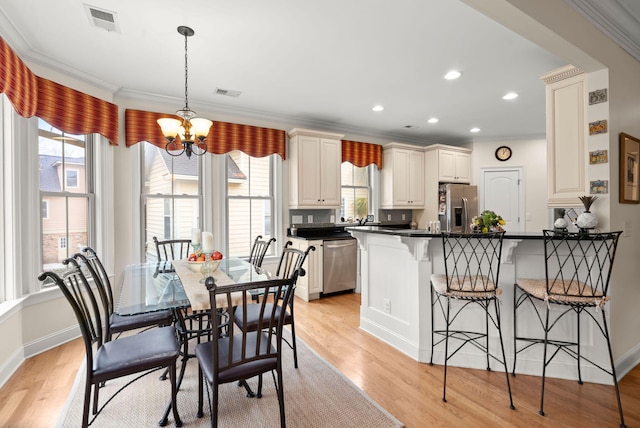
155,286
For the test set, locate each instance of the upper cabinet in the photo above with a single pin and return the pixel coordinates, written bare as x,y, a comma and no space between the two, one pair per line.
314,169
402,176
452,163
566,135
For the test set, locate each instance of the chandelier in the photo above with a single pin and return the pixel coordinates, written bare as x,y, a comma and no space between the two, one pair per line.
192,130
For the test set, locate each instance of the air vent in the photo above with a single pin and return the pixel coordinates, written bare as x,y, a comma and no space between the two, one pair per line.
410,126
102,18
227,92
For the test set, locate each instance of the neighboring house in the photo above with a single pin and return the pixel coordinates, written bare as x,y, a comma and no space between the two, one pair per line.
57,244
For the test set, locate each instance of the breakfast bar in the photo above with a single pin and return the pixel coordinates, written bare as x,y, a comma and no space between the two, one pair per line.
396,265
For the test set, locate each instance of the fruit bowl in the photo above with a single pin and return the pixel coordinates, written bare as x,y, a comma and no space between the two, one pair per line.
196,266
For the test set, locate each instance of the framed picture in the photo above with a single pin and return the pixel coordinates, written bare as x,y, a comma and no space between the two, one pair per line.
629,157
598,96
598,127
599,186
598,156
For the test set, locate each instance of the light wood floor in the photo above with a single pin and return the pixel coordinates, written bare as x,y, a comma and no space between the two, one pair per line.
410,391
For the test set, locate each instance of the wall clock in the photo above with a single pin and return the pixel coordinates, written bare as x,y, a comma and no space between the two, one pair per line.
503,153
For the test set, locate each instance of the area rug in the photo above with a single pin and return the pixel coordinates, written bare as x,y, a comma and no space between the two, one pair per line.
316,395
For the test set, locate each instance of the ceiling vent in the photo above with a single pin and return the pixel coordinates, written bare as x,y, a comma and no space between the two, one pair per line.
227,92
102,18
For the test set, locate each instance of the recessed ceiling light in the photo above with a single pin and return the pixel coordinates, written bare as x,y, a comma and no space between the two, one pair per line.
474,130
452,75
510,96
433,120
377,108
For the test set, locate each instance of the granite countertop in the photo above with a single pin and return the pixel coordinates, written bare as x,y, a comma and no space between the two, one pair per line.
422,233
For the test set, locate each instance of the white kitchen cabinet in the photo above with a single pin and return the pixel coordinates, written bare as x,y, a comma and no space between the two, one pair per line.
309,286
454,166
314,169
566,136
402,176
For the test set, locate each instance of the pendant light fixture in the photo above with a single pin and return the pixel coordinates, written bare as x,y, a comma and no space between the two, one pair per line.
192,130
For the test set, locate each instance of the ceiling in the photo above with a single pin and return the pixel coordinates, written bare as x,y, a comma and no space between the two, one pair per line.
305,63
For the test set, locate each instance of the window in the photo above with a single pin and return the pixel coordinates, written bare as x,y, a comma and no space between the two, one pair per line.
250,201
66,194
171,195
356,191
72,178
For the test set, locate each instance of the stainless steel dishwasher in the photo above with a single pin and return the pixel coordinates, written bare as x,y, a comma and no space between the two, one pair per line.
340,264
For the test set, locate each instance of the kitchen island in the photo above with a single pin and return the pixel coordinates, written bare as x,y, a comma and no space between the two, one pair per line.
395,270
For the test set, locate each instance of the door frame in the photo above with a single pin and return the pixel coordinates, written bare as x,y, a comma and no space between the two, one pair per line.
521,190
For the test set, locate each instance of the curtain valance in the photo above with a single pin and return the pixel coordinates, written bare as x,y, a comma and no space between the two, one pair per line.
69,110
223,137
17,82
361,154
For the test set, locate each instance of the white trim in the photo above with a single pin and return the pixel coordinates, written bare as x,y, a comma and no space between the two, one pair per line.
9,367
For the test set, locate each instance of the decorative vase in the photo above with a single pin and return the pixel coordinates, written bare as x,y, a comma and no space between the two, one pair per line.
587,220
560,223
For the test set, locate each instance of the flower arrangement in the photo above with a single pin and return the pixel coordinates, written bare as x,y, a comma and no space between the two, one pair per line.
487,221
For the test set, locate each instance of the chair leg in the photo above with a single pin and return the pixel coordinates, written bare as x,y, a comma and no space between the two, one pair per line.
87,403
446,351
504,357
200,413
579,312
613,367
486,330
544,360
214,406
515,329
174,394
259,394
293,340
96,389
280,391
433,327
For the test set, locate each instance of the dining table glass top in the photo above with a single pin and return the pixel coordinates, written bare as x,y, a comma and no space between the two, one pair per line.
155,286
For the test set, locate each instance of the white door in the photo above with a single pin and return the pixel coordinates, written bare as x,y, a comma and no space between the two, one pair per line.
501,192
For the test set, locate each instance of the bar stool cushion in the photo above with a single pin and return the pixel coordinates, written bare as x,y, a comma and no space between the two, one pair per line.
563,292
471,287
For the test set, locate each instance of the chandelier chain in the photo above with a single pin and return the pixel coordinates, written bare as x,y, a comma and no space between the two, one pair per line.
186,75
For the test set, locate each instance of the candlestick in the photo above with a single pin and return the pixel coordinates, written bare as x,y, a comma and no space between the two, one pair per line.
195,236
207,242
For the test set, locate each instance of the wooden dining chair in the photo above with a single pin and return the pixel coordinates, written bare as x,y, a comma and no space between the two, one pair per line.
114,323
172,249
291,261
472,270
141,353
259,250
578,268
236,354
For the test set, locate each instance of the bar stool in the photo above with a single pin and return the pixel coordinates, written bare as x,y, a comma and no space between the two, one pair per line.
472,268
577,272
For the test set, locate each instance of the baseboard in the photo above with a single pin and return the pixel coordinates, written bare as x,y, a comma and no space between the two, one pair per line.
628,362
35,347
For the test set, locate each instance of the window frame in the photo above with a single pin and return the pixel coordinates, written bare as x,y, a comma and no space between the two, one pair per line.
371,202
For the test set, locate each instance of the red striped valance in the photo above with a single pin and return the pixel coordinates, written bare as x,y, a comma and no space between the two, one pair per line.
361,154
17,81
223,136
76,113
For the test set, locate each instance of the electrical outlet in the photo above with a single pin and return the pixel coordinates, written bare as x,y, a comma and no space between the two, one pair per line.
627,229
388,217
387,306
309,218
404,217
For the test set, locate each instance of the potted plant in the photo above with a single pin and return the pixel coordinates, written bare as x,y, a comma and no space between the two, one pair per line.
587,220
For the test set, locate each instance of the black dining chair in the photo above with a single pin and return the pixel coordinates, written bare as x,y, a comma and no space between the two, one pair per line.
259,250
236,354
115,323
291,261
172,249
472,270
578,268
141,353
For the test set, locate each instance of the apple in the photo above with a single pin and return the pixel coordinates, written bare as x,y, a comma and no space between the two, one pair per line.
200,258
217,255
192,257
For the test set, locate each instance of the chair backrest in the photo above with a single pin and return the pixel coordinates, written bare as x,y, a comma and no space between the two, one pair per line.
239,346
291,260
97,271
579,264
77,291
259,250
172,249
472,261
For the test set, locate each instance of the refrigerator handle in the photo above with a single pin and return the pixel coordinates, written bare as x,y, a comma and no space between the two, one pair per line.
465,215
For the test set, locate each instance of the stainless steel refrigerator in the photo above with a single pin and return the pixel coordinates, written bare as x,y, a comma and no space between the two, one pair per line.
458,205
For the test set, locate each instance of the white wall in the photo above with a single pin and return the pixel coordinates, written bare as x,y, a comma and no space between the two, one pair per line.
531,156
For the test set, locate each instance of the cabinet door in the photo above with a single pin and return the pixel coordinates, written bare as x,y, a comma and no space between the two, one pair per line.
400,187
330,175
416,179
462,164
446,166
314,265
309,171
